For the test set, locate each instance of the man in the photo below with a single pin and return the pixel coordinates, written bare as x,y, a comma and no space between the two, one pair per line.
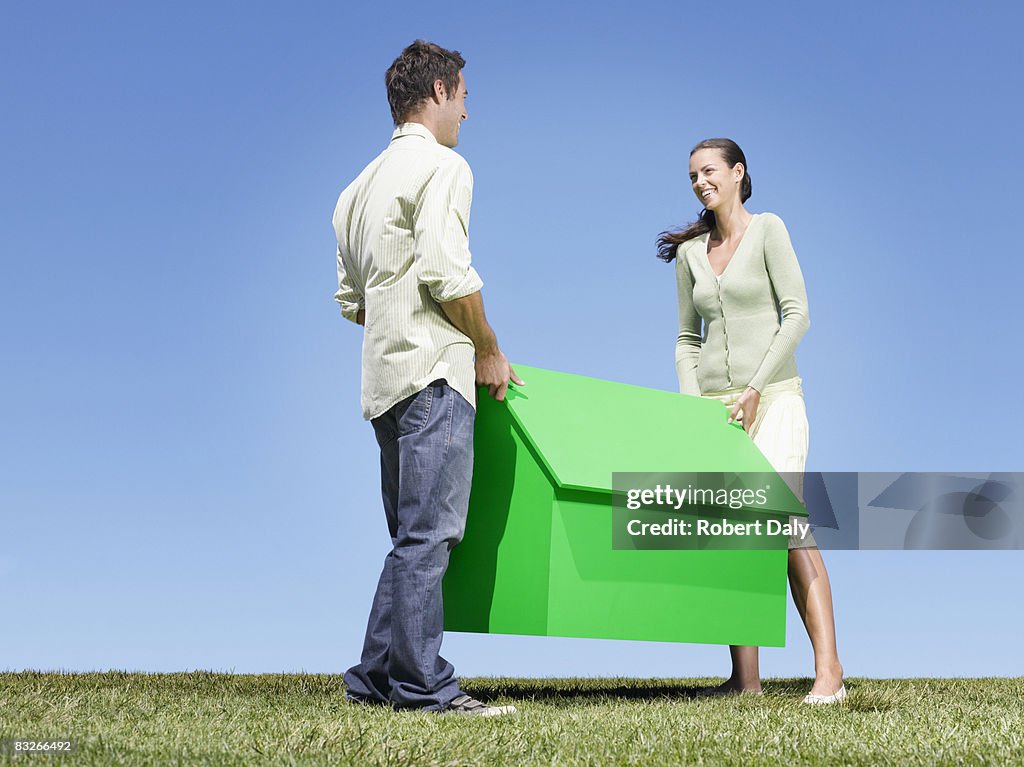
404,273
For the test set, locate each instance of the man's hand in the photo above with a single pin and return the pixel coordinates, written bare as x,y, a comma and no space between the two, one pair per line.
745,409
492,368
494,372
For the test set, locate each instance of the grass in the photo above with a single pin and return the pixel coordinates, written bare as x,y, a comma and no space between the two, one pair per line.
202,718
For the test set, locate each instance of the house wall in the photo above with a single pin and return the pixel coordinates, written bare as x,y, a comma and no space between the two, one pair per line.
706,597
497,579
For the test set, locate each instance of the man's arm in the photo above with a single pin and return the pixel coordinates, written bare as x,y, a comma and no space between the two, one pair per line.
492,368
350,294
443,260
443,264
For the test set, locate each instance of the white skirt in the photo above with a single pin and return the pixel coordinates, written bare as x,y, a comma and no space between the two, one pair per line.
780,431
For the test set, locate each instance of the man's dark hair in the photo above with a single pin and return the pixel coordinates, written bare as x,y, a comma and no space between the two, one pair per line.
410,78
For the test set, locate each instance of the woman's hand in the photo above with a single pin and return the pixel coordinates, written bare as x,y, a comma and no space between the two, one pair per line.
745,409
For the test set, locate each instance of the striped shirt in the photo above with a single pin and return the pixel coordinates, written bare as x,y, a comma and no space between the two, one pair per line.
403,248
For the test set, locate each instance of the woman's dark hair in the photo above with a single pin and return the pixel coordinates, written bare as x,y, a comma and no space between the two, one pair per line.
669,241
410,78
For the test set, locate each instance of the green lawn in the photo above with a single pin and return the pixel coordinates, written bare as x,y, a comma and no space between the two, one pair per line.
204,718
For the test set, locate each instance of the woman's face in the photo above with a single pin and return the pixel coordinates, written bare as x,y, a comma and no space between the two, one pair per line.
714,182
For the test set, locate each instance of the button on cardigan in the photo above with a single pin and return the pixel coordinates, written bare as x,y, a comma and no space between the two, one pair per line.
753,317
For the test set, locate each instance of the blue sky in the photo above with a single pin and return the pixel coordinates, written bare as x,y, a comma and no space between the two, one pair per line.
185,479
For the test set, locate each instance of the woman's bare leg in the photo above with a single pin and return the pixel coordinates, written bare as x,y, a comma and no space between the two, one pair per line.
812,593
746,677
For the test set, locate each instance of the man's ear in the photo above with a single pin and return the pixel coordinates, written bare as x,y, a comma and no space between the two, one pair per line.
440,92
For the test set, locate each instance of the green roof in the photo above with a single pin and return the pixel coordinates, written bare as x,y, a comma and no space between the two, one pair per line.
583,429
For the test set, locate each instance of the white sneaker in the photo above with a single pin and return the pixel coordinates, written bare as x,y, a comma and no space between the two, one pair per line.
464,704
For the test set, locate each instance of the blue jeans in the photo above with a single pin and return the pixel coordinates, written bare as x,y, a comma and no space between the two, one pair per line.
426,466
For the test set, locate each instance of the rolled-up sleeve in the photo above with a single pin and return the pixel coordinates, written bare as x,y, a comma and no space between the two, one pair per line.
350,294
442,234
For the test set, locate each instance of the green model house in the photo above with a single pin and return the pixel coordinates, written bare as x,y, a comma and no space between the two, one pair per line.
538,556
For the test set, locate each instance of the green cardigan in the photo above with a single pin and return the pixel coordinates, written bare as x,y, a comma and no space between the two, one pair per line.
743,343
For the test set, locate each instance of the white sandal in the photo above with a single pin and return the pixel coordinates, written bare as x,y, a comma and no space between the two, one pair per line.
837,697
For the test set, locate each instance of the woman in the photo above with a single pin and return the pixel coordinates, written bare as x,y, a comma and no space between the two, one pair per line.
737,273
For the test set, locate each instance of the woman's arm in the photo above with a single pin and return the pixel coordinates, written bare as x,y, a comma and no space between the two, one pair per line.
688,342
788,283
